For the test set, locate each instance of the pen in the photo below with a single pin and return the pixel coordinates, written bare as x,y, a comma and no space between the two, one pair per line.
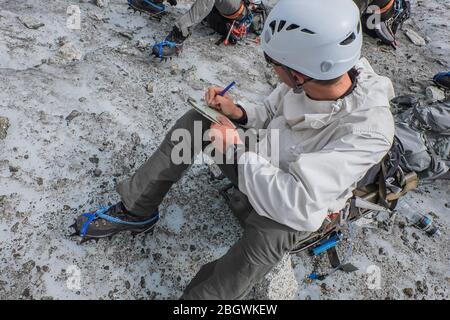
227,88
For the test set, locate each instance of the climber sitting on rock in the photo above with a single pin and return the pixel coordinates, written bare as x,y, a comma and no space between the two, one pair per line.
327,124
243,16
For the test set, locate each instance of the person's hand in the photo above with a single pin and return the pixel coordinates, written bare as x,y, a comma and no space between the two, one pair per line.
223,104
223,135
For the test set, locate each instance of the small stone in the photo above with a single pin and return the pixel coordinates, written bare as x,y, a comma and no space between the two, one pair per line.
94,159
95,16
142,282
156,256
434,94
26,293
415,37
141,45
422,287
97,172
401,224
66,207
271,78
4,126
73,115
192,247
15,227
40,181
45,268
30,22
174,69
13,169
409,292
415,89
28,266
381,251
69,52
105,267
127,285
82,99
127,35
101,3
149,87
415,236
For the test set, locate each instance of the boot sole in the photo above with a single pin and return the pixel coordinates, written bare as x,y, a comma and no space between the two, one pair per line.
134,233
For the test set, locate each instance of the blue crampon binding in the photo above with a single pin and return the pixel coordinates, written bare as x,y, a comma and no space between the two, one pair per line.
100,213
159,46
157,7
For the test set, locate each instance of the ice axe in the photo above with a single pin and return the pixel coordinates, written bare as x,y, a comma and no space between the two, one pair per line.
226,41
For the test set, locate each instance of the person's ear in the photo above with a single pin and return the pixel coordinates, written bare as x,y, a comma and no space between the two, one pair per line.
300,78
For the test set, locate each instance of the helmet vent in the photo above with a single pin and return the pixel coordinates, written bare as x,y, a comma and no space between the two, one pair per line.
308,31
272,26
359,27
281,25
348,40
292,27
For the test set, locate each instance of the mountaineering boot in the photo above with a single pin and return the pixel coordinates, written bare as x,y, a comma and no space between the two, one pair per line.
442,79
108,221
151,7
171,46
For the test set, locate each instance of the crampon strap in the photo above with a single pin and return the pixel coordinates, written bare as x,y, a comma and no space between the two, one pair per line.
100,213
159,46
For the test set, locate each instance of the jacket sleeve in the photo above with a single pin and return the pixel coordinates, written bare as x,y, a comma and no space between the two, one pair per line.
258,116
301,197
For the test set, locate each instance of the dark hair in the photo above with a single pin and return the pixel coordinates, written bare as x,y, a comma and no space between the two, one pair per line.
328,82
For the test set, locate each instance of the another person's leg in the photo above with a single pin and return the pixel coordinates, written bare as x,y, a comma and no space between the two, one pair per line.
173,43
262,246
199,10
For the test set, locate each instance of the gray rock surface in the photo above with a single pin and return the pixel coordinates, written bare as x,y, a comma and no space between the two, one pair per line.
280,284
47,166
4,126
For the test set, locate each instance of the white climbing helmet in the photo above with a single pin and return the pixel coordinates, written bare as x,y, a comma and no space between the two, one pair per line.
321,39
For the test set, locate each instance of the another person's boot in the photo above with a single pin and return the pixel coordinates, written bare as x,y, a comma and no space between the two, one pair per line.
171,45
108,221
442,79
151,7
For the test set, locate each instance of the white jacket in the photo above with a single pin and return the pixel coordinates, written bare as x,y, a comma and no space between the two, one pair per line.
326,147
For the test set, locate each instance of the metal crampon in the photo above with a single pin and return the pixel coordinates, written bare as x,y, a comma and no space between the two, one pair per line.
157,15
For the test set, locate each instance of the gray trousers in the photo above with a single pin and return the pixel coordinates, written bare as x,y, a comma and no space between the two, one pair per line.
262,246
201,8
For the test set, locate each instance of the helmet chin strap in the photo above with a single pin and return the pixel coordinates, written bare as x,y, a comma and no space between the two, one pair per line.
296,87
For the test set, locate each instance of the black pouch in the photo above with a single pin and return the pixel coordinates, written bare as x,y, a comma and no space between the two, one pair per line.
218,23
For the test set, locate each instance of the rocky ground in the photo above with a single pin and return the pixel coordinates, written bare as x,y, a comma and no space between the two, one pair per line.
82,109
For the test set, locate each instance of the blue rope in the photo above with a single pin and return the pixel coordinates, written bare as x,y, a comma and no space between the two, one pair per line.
100,213
161,44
